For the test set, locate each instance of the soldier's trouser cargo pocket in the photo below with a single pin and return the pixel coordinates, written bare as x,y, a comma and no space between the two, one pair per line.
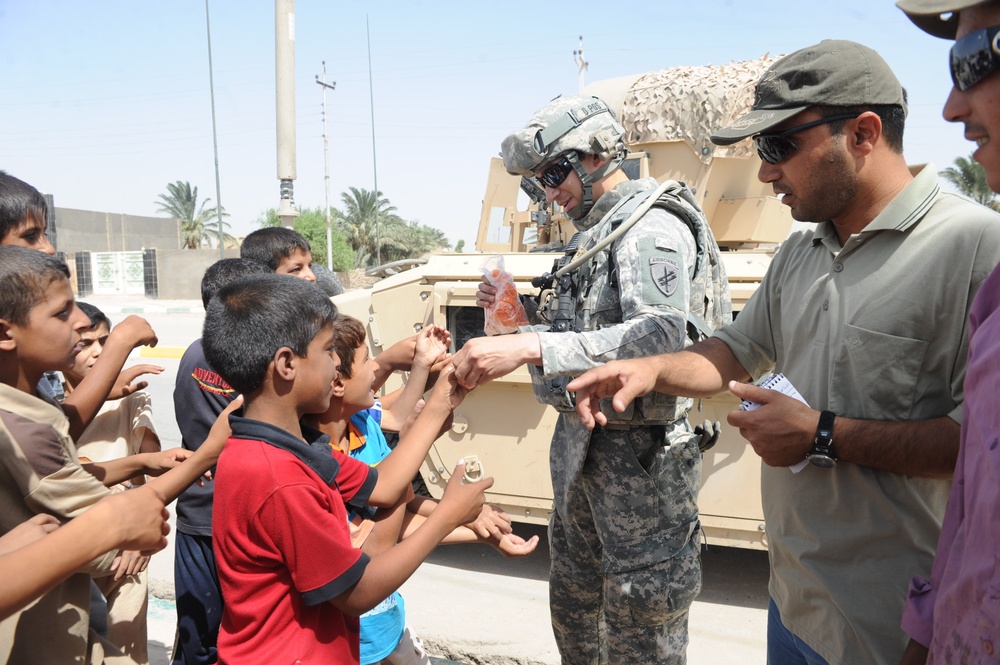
642,486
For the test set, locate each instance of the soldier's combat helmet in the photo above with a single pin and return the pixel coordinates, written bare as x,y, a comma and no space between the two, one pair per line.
565,127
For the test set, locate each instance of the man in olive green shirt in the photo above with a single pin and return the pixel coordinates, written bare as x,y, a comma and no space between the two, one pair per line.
866,316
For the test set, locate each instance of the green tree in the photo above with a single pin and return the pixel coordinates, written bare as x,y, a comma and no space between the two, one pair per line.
199,224
369,222
459,246
311,223
376,232
969,177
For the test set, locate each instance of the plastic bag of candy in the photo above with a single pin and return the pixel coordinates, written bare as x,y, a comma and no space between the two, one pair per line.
506,313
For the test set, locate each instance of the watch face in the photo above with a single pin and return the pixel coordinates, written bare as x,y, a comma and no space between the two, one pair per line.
821,460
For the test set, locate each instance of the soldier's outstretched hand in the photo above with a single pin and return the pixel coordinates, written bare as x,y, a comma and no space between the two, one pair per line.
483,359
623,379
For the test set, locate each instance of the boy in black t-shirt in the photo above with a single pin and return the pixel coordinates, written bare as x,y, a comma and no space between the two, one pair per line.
200,395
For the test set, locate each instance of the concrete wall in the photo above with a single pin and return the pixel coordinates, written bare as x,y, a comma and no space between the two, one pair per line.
87,230
179,271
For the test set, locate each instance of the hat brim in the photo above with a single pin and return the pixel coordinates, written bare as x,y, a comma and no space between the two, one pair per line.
753,123
928,15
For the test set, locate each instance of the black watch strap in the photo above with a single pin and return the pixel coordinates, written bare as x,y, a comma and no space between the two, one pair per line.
822,450
824,432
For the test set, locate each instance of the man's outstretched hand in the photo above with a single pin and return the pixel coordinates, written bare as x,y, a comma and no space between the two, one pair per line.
623,380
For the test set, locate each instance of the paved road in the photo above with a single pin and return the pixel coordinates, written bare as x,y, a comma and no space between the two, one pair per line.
467,602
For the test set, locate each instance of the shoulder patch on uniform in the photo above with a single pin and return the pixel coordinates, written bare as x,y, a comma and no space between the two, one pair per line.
664,244
665,274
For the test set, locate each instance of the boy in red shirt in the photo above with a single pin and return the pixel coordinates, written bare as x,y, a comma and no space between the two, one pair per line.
293,584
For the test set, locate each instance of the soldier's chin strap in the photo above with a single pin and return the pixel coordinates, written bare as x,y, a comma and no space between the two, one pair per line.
588,179
620,231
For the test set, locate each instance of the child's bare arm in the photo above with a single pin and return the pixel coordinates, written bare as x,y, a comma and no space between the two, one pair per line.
397,470
179,478
119,470
137,519
150,444
386,572
500,537
388,527
431,343
396,357
86,400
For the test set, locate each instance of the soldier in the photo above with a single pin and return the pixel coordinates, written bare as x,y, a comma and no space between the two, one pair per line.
625,533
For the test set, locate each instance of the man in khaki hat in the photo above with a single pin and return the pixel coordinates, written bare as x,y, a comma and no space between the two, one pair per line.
865,315
954,617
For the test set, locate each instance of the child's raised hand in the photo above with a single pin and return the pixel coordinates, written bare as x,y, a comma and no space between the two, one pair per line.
124,385
158,463
431,342
492,522
447,390
138,516
462,501
217,436
135,331
512,545
27,532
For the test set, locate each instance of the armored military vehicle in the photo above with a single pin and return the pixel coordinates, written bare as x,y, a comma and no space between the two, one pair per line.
668,116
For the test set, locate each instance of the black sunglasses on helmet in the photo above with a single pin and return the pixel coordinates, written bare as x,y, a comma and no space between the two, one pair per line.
778,146
555,173
975,57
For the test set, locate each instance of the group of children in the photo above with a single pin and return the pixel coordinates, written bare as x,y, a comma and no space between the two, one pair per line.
310,521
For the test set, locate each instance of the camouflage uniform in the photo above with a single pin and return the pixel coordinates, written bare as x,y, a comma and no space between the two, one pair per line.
624,535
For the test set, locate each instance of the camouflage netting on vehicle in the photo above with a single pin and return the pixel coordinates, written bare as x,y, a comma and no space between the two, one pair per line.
689,103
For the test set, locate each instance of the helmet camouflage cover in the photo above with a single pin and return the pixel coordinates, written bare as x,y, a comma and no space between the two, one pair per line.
571,123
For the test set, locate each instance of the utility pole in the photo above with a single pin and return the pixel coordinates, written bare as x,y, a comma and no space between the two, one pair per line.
371,101
215,140
580,62
284,65
332,85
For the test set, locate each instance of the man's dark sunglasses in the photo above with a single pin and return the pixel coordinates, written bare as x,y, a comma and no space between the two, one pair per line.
778,146
975,56
555,173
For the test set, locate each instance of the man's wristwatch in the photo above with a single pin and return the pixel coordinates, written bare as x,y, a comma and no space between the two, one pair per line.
821,454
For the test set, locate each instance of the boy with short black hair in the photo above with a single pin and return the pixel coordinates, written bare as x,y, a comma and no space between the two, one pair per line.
200,395
40,328
23,222
23,215
283,250
292,582
354,428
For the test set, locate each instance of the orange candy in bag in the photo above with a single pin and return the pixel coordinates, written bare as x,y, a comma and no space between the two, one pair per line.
507,312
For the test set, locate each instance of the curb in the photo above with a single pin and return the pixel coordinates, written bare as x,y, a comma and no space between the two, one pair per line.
152,310
162,352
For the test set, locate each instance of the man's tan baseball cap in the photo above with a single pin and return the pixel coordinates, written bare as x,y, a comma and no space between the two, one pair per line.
937,17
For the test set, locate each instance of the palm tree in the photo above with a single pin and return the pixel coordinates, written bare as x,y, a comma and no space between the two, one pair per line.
969,177
369,222
198,223
394,238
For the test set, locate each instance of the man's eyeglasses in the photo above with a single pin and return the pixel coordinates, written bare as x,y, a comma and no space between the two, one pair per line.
778,146
975,56
556,173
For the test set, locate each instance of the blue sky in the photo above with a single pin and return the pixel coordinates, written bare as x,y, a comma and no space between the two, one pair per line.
106,101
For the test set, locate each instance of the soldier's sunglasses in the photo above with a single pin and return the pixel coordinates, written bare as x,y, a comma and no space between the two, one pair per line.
778,146
975,57
556,173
